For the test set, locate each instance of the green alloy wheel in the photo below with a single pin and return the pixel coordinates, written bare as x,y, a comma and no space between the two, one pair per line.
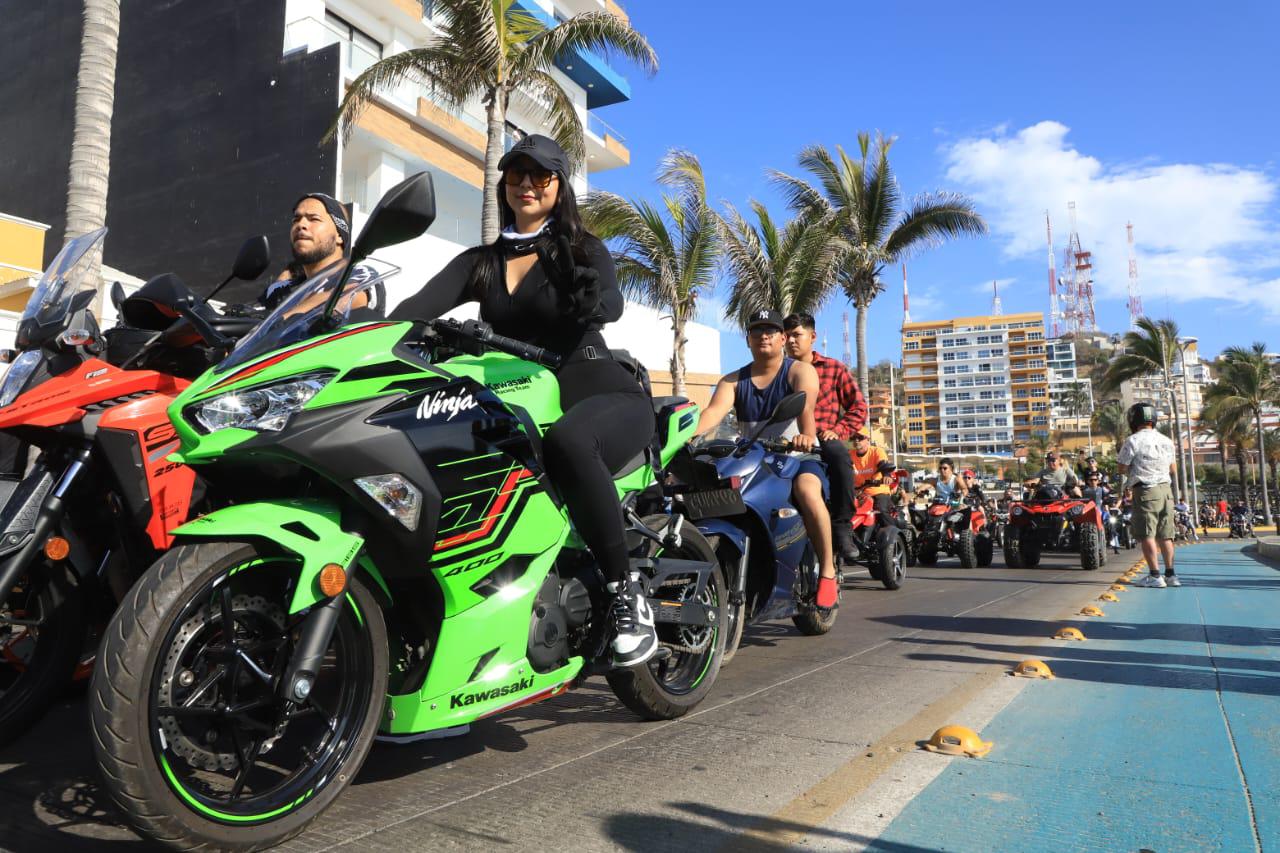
188,723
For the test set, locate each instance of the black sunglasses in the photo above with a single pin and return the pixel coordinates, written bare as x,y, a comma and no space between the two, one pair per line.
540,178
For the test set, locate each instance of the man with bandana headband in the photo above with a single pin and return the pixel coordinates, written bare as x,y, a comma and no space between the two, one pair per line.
320,236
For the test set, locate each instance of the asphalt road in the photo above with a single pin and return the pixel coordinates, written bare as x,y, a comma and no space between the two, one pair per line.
795,729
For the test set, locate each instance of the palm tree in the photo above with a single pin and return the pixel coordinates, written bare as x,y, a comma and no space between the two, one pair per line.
1110,420
785,269
664,261
489,49
1078,401
91,138
1150,348
1271,445
1246,385
859,202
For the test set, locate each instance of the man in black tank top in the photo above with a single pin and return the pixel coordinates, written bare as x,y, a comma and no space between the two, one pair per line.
765,341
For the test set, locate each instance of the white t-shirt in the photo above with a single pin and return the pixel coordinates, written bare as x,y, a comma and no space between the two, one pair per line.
1148,453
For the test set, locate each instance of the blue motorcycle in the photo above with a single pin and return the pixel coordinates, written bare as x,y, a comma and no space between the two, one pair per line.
738,495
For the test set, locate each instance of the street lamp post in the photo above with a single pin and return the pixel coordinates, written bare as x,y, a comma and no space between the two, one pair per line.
1167,383
893,416
1183,343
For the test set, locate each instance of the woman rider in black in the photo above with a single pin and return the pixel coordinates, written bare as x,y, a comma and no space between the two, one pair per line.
528,290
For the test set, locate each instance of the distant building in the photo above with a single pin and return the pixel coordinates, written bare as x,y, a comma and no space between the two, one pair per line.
1060,358
1150,388
975,385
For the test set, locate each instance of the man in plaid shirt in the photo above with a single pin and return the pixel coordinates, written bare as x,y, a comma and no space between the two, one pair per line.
840,413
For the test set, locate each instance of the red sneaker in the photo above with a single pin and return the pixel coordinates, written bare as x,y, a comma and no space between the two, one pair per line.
827,593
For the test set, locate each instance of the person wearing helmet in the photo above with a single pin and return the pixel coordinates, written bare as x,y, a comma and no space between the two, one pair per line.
1148,465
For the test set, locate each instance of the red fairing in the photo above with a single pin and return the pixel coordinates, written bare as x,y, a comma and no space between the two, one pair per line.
168,483
60,399
977,520
939,509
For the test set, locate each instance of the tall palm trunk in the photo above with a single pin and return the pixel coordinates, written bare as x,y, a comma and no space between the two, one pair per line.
860,335
677,355
1240,464
91,139
1262,468
1181,478
1222,452
490,223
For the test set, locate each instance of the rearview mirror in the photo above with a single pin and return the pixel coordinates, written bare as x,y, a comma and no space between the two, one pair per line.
790,408
405,212
253,260
117,294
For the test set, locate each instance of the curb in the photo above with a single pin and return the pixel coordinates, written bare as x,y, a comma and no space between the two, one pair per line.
1269,547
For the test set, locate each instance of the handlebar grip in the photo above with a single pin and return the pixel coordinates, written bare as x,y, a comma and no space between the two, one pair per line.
520,349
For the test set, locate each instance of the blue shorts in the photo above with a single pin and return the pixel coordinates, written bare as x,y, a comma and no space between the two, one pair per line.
790,466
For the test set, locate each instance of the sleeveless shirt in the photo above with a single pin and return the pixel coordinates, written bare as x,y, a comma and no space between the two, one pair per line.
753,405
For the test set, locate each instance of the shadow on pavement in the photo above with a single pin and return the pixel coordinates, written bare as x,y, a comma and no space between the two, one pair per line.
1187,632
667,832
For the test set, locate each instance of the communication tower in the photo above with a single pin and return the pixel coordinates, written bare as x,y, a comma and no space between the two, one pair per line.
1054,330
996,309
848,353
906,302
1135,299
1075,285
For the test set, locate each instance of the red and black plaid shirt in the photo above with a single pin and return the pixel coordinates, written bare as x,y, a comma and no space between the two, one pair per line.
837,391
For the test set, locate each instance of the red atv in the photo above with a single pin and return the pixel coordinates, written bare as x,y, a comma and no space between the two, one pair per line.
884,543
96,506
957,528
1056,522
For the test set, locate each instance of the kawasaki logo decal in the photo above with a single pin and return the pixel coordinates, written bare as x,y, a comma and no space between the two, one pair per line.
461,700
445,402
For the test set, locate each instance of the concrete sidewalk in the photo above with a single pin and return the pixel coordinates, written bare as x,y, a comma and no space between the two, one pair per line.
1160,732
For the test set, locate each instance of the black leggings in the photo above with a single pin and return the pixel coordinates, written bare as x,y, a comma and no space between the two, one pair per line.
595,438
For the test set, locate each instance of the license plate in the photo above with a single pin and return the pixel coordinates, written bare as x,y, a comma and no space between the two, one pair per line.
713,503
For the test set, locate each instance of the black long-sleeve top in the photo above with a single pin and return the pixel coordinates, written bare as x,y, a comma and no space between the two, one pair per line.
533,313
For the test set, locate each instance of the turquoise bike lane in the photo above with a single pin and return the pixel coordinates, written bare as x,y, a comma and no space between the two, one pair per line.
1161,731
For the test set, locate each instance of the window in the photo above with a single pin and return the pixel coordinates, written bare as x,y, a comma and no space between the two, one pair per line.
949,369
911,345
948,383
984,368
915,440
951,410
962,368
913,399
948,356
362,49
915,413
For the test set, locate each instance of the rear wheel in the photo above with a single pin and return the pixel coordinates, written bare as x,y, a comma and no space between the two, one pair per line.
735,616
1092,555
985,549
966,549
38,658
1012,548
672,685
910,538
928,554
193,743
1029,542
891,558
813,622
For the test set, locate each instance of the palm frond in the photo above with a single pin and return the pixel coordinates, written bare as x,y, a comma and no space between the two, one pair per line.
594,32
557,109
932,220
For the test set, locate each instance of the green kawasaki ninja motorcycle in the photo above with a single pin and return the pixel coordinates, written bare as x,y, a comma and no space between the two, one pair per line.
396,564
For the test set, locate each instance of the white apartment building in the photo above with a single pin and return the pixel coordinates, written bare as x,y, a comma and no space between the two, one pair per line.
405,131
1060,358
1151,389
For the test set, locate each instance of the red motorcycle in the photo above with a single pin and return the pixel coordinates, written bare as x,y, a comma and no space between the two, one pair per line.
1054,521
884,544
95,507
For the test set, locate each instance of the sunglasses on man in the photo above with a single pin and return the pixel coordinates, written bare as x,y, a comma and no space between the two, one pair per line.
540,178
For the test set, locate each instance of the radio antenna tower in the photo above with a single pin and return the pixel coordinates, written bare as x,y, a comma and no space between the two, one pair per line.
1135,299
996,309
1078,311
848,353
1054,330
906,301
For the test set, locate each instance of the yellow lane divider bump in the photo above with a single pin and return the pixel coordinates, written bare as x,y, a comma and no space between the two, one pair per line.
1091,611
1068,634
1032,668
1108,596
958,740
1117,587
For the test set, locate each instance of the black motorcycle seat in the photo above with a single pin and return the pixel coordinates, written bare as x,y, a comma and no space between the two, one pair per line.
632,465
660,403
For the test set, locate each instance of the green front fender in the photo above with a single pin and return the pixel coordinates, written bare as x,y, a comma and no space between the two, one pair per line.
308,528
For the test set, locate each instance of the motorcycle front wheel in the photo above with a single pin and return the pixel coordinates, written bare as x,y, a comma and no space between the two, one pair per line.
193,743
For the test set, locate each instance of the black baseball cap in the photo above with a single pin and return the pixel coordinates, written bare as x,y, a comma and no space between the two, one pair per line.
542,150
765,317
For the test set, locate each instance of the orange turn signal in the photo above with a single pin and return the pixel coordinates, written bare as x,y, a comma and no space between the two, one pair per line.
56,548
333,580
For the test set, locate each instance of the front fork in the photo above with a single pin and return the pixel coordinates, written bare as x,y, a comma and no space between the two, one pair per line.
48,517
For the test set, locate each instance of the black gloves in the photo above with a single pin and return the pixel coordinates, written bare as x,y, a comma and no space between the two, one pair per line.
578,286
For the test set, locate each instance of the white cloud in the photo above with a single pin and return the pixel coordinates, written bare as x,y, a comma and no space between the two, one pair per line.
984,287
1202,231
928,304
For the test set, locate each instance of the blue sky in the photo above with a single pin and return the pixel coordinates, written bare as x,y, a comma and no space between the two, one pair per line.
1160,113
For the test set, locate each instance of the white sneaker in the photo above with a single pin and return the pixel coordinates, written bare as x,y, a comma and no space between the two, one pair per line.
1172,580
635,640
1154,581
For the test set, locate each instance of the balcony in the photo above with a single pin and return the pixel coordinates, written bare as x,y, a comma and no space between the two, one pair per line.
603,85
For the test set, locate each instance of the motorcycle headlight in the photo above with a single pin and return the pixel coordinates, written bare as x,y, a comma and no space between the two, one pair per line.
264,409
1017,510
19,372
954,517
